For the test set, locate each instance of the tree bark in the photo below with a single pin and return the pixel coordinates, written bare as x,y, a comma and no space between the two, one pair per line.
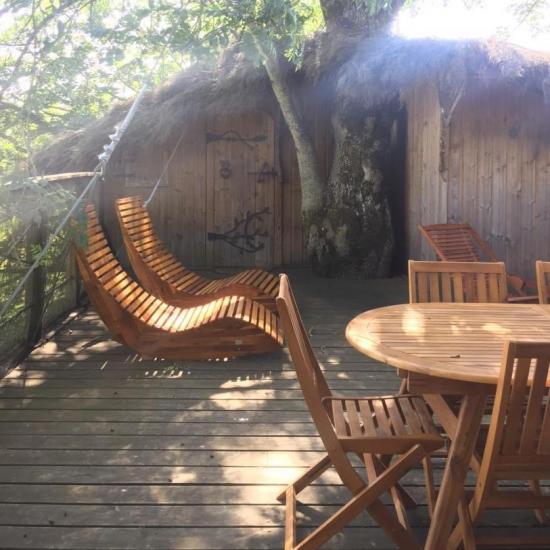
359,17
356,236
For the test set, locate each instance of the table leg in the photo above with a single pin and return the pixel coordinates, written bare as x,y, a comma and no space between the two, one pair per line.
448,420
452,486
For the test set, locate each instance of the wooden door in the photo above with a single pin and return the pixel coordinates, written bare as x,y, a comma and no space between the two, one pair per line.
243,193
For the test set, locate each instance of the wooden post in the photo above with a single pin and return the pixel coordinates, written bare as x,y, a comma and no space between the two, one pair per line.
36,285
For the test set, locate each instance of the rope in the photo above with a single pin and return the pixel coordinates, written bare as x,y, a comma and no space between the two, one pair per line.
166,164
104,158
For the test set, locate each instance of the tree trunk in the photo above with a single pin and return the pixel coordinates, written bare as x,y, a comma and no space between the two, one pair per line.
356,237
363,18
347,223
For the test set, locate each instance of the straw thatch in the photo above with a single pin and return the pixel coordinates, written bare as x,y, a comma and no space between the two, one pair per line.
234,86
372,73
382,68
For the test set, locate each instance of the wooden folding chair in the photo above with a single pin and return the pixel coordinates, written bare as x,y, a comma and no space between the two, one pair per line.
374,428
517,447
459,282
483,282
459,242
543,281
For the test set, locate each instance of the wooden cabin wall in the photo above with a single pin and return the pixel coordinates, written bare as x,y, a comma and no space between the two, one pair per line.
179,207
183,207
426,191
497,174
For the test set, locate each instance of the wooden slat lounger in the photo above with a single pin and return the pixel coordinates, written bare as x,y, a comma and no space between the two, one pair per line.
228,326
459,242
164,276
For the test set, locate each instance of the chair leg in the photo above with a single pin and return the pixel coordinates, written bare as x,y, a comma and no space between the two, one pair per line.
367,499
429,483
468,538
306,479
290,519
408,500
375,468
400,510
540,513
464,529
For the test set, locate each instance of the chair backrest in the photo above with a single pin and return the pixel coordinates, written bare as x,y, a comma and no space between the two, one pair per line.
457,282
312,381
519,432
108,285
310,375
543,281
159,271
100,258
457,242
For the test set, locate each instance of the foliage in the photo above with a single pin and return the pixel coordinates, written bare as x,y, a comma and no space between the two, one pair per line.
28,211
532,12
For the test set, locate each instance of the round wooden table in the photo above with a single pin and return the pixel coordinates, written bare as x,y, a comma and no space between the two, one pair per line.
449,349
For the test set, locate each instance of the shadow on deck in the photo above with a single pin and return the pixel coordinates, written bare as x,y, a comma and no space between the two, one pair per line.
100,449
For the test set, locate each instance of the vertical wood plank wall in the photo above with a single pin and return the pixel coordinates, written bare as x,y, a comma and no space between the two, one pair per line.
180,210
179,207
498,170
242,189
426,192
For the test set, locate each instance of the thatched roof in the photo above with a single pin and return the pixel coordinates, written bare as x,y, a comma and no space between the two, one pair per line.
382,68
374,72
234,86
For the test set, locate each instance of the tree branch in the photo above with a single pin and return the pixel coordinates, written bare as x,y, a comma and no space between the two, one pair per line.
37,28
311,182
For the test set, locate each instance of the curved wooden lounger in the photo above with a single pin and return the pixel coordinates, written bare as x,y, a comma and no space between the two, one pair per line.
459,242
164,276
229,326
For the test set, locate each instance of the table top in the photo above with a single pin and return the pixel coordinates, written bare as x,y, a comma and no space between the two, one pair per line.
455,341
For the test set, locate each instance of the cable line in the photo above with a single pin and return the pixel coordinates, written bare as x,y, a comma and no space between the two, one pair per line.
165,168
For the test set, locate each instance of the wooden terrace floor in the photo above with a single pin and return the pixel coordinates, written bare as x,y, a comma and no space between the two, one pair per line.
100,449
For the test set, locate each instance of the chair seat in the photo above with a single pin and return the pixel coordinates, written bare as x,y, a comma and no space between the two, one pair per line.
391,424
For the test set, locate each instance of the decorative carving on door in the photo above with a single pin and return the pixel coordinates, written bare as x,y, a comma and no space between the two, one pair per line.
225,169
241,236
243,195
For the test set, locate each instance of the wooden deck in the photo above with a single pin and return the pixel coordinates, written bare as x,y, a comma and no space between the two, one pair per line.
100,449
